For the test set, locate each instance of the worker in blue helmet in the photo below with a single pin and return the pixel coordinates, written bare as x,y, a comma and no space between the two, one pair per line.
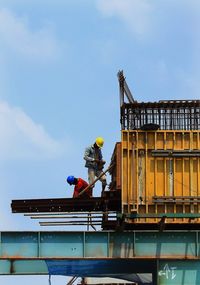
79,186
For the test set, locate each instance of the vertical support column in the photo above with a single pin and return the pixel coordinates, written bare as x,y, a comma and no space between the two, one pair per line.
128,172
136,168
192,192
141,176
171,177
197,244
134,243
83,244
155,274
198,170
155,190
108,244
133,174
198,160
39,244
146,171
122,169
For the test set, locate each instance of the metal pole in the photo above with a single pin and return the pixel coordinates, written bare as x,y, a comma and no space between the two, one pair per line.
71,281
71,217
90,185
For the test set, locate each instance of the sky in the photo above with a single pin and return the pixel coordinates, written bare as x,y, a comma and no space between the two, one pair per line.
59,90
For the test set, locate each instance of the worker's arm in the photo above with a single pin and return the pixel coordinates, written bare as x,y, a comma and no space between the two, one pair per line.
87,154
100,155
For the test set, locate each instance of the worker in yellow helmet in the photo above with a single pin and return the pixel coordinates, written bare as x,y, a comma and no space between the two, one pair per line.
95,162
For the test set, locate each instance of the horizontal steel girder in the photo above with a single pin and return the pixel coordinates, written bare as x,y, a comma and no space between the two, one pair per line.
161,215
68,204
100,244
172,256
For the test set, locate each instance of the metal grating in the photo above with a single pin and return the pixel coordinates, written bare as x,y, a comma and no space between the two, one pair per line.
164,114
168,115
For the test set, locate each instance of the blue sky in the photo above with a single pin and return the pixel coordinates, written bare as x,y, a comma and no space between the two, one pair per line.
59,89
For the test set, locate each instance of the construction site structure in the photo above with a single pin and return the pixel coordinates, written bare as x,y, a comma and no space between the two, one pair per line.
149,217
155,170
158,161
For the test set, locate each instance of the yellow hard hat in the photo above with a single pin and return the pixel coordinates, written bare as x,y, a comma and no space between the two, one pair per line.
99,141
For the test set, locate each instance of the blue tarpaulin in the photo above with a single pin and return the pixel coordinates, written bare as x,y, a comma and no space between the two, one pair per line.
116,268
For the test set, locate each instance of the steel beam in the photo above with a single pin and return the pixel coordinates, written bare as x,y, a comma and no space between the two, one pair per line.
161,215
68,204
173,257
100,244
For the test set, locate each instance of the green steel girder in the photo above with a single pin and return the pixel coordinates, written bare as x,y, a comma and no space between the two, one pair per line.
100,244
160,215
174,256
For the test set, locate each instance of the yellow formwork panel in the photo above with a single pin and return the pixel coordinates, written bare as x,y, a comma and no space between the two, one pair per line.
145,176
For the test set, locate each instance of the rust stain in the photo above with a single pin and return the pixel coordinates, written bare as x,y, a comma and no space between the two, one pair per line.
12,257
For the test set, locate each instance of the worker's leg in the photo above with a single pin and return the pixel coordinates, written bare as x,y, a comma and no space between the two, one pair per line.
91,175
102,179
91,178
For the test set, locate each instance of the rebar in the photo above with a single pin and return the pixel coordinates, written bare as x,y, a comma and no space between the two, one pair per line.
168,115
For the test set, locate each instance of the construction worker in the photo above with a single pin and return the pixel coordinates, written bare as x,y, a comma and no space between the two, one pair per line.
95,162
80,185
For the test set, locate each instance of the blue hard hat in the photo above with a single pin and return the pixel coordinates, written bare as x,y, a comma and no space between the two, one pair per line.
70,179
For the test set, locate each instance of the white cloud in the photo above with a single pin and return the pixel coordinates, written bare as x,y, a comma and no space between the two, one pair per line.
136,14
21,137
16,35
145,18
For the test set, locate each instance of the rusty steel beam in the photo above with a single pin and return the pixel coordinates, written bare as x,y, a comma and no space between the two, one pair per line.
66,205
